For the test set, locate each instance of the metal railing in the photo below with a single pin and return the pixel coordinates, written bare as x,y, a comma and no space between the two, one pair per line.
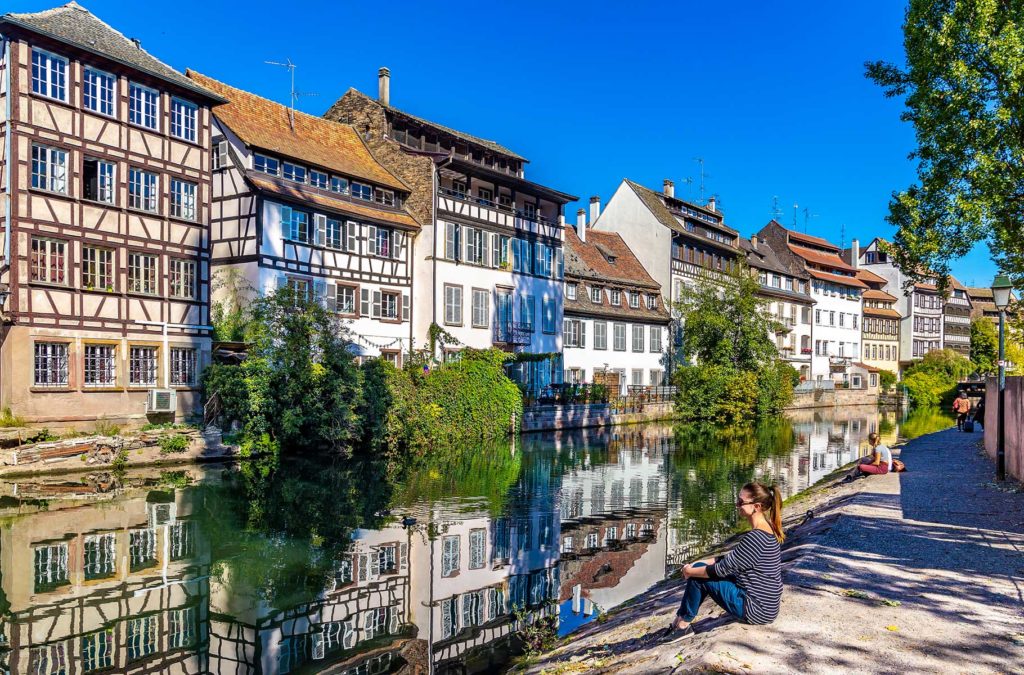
635,398
513,333
213,408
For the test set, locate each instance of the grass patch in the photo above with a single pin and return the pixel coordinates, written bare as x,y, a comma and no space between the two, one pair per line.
173,444
9,421
104,427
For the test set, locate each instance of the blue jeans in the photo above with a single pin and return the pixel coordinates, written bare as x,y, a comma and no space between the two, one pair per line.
727,594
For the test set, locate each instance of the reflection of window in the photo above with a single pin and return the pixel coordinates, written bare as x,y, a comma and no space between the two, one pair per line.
99,556
477,548
142,548
141,637
592,540
48,659
473,608
51,566
97,650
449,617
450,555
182,628
495,602
386,559
182,540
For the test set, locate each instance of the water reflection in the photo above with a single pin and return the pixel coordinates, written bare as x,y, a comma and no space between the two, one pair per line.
314,567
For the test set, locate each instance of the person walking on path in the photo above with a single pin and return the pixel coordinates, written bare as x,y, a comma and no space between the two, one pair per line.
979,412
961,406
746,581
880,460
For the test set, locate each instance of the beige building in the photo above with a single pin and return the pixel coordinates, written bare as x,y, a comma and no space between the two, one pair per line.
881,324
105,205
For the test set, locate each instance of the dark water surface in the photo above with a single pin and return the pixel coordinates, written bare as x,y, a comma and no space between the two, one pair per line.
330,567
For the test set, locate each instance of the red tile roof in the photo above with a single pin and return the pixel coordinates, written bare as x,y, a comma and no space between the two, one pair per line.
870,277
339,204
875,294
264,124
818,258
886,313
799,237
837,279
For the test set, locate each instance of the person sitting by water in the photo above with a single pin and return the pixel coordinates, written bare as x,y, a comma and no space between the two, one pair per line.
961,406
880,459
747,581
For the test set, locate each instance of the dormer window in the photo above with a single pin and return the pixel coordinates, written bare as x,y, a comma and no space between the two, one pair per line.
360,191
595,295
652,301
570,291
634,299
318,179
267,165
385,197
294,172
339,185
616,297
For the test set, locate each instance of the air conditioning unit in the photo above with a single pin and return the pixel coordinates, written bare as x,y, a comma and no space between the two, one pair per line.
162,401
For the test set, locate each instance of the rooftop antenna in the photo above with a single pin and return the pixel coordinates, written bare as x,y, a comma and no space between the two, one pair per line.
294,95
795,208
776,210
842,236
700,160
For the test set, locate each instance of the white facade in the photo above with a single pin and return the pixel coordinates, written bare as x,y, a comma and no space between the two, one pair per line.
635,350
837,333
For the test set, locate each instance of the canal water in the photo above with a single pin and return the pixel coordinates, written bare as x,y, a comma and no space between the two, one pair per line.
330,567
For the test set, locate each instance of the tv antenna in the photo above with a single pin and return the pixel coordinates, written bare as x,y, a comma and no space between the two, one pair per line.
842,236
776,210
293,95
807,217
795,208
700,160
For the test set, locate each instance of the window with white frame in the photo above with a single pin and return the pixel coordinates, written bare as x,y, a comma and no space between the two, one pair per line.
449,617
49,74
98,90
49,262
183,366
49,168
143,106
450,546
142,362
265,164
142,548
361,191
141,637
183,199
50,364
99,555
97,268
616,297
382,242
638,337
570,291
481,308
385,197
453,305
183,278
345,299
634,299
596,294
184,119
294,172
220,156
619,337
339,185
390,305
98,180
100,365
655,339
318,179
142,273
572,333
600,335
652,301
334,233
474,245
142,190
477,548
294,224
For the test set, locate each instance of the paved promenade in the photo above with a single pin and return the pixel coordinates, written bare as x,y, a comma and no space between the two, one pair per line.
919,572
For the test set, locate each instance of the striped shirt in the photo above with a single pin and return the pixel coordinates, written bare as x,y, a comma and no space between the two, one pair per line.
755,564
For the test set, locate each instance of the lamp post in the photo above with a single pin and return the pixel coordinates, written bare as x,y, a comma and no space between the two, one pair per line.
1001,288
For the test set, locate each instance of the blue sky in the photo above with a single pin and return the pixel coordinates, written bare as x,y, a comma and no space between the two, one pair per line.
771,95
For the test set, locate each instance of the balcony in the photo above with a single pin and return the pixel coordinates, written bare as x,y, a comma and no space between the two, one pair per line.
805,350
839,363
786,324
488,211
512,333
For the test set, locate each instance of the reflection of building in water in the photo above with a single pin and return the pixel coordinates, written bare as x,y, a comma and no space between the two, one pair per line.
121,588
356,625
831,438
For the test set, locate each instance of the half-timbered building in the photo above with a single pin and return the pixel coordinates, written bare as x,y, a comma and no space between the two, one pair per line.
489,266
106,191
299,201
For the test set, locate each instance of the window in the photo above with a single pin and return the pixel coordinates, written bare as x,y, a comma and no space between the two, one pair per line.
449,617
526,309
184,117
449,555
142,366
572,333
142,273
100,366
619,337
474,245
485,196
333,232
481,308
652,301
521,256
600,335
183,199
266,164
183,278
595,295
453,305
183,367
221,156
49,169
360,191
530,211
182,628
294,172
385,197
380,239
142,190
49,74
655,340
452,241
499,251
542,260
141,637
51,364
616,297
638,338
548,316
98,650
50,566
97,268
634,299
98,180
49,261
294,224
477,548
98,91
143,104
390,303
99,556
345,299
570,291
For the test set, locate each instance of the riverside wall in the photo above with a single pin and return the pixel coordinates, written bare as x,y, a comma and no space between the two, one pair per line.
828,398
581,416
1014,423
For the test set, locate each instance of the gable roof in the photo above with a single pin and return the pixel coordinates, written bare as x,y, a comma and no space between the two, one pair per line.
77,26
876,294
870,277
476,140
655,202
837,278
799,237
818,258
264,124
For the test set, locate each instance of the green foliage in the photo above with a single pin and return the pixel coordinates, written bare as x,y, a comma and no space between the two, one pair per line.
175,479
933,379
9,421
984,346
104,427
927,389
963,90
230,313
536,635
173,443
737,374
120,461
161,426
228,383
925,420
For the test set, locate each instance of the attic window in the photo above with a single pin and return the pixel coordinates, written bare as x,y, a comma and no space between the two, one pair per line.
608,255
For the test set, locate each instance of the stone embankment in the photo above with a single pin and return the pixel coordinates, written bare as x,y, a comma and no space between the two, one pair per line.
913,572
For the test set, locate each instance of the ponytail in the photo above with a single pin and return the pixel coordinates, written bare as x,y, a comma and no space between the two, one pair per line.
770,499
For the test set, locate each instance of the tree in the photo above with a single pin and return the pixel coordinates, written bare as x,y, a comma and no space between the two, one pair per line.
984,346
230,312
886,379
964,93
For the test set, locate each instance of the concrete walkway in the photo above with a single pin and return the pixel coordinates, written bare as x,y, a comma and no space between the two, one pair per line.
919,572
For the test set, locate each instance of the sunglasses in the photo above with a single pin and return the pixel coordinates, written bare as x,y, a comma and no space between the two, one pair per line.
740,502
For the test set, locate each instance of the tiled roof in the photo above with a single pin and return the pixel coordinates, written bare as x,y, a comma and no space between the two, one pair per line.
763,257
869,277
980,293
875,294
818,258
799,237
837,279
305,193
655,202
77,26
926,287
870,369
264,124
878,311
483,142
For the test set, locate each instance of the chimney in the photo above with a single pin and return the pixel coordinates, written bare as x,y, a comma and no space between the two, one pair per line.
855,253
137,42
753,241
713,203
384,86
595,208
669,188
581,225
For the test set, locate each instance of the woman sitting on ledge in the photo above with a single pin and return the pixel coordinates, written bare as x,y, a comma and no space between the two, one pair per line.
880,460
746,581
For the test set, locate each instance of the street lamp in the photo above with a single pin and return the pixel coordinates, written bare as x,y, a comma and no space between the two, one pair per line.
1001,288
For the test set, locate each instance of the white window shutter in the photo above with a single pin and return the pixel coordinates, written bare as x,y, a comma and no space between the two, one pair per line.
559,264
223,158
375,311
364,305
320,230
405,307
319,290
351,236
398,245
318,646
331,297
583,334
486,258
371,240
